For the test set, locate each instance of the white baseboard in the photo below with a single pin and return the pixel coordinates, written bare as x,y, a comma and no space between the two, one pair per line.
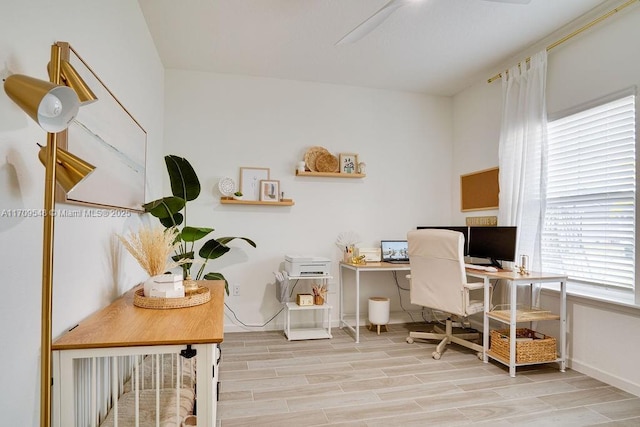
605,377
395,317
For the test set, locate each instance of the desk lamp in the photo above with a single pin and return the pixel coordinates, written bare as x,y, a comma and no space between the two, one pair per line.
53,105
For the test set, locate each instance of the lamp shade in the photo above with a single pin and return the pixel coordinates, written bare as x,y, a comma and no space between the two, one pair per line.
51,106
70,169
77,83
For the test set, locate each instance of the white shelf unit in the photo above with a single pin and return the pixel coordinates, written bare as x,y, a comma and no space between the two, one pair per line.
323,331
511,315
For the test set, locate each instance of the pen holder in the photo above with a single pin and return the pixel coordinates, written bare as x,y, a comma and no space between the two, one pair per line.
348,254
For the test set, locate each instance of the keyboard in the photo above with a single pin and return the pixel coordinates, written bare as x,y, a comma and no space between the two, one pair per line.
481,267
398,261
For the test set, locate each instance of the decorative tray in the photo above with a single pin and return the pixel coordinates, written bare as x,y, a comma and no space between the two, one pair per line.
197,297
311,155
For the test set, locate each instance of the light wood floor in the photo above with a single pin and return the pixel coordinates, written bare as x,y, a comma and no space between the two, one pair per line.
383,381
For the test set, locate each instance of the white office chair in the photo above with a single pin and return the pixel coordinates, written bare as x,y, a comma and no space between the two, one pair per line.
438,281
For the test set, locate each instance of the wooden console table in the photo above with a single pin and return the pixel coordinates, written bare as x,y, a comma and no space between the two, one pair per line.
122,329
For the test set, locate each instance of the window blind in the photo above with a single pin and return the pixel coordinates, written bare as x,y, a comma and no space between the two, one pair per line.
589,227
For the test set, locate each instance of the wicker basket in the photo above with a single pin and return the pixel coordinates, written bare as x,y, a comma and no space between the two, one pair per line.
200,296
533,348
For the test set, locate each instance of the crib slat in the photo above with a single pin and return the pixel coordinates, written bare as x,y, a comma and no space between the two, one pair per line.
178,361
157,390
114,389
94,391
136,370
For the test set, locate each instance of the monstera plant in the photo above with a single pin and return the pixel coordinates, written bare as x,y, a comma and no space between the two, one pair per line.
172,212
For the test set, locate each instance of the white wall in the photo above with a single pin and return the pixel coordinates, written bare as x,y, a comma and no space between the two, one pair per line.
221,123
112,37
596,63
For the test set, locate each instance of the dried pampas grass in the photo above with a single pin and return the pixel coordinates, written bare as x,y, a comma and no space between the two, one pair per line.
152,248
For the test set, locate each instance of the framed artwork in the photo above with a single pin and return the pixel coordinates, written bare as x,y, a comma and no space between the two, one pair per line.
269,190
479,190
348,163
106,135
250,182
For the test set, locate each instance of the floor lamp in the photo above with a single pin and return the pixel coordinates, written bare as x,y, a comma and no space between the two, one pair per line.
53,105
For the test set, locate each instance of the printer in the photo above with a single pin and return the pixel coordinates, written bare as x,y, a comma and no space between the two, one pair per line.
298,265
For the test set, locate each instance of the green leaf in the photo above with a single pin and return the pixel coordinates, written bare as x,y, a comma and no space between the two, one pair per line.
166,207
192,234
184,181
213,249
218,276
172,221
225,240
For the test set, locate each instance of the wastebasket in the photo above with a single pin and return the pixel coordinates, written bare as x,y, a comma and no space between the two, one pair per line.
378,313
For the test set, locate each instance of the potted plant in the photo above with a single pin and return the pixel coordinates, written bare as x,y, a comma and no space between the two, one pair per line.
237,195
172,212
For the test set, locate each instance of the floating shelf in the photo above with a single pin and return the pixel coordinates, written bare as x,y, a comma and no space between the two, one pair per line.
232,201
331,174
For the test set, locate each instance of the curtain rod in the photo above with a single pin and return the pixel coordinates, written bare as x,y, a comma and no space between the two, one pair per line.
573,34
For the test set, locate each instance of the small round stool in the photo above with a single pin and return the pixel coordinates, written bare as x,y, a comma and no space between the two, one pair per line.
378,313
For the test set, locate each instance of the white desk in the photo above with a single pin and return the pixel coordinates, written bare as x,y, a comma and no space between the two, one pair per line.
513,316
358,268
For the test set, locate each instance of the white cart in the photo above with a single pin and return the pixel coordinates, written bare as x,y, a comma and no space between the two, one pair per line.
322,330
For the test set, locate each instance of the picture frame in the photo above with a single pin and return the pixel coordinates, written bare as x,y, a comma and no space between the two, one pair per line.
250,178
348,163
106,135
269,190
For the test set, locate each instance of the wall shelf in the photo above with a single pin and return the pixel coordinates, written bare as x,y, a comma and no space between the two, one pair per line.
331,174
232,201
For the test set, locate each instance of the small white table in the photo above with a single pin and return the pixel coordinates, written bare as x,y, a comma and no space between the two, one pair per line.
322,332
514,316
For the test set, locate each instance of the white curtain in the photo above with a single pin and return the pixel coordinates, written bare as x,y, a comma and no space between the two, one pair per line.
522,155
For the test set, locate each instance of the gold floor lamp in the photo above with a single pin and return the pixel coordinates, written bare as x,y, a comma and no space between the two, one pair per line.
53,105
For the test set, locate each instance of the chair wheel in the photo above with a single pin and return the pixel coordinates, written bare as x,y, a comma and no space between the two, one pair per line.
409,340
436,355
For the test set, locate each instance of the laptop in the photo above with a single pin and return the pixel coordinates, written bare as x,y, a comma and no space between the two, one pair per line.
394,251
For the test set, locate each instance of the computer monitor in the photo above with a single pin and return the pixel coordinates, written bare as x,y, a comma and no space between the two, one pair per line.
462,229
493,243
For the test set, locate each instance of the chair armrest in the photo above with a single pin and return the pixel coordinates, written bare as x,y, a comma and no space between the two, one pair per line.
474,285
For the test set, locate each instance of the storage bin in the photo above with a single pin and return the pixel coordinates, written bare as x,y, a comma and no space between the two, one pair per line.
379,312
531,346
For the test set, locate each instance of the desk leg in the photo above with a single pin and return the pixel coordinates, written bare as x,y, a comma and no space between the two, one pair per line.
485,326
513,292
340,303
357,306
563,326
288,321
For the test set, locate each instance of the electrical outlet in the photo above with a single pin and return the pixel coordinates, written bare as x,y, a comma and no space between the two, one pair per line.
236,290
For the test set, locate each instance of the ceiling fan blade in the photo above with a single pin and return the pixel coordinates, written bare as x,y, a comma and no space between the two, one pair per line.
372,22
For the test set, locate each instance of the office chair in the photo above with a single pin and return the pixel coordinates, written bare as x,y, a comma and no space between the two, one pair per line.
438,281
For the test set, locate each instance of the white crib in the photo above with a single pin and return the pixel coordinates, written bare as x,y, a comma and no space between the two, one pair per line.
128,366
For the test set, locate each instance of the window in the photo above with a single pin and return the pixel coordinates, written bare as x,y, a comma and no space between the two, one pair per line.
589,229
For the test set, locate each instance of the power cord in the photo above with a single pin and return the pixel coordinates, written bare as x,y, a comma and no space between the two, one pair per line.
399,288
252,326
